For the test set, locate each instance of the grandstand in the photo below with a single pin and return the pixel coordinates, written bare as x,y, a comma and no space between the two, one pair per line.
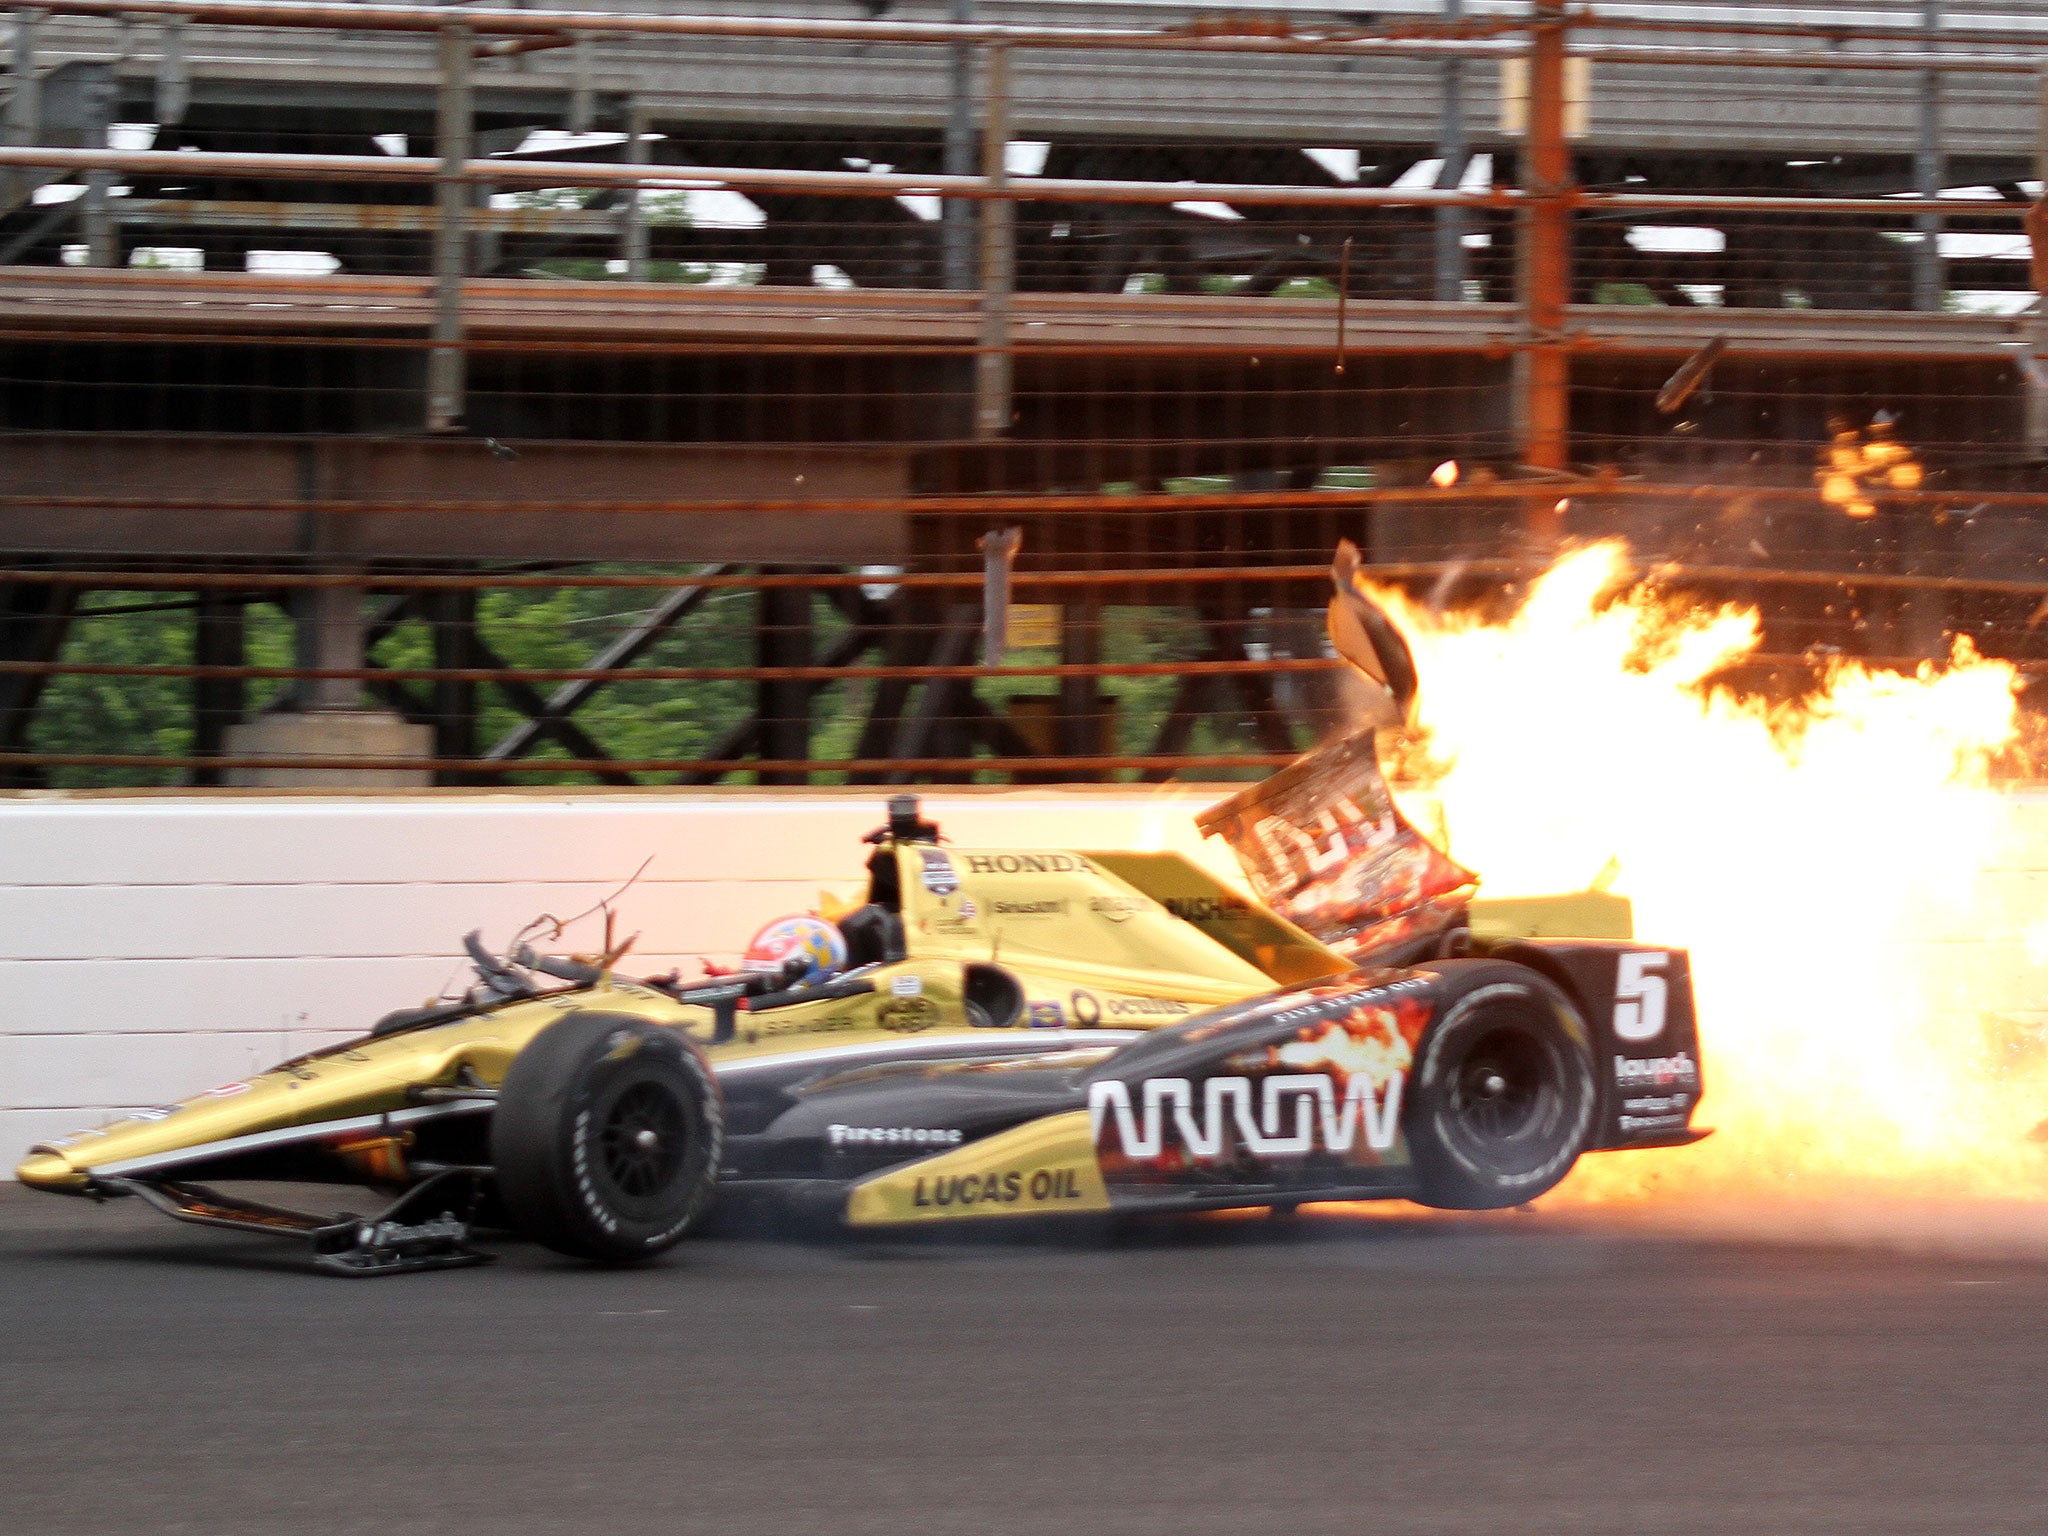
401,393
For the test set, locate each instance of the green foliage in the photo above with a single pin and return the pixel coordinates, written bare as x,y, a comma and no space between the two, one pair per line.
670,720
1306,288
119,715
1623,293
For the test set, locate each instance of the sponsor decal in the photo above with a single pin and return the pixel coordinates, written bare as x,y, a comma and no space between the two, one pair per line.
967,906
1043,1165
1039,1185
1022,863
1148,1007
1291,1113
908,1015
892,1136
1634,1123
1044,1015
1336,1001
1118,909
1656,1104
1088,1009
1633,1074
829,1026
1029,908
907,986
1640,997
390,1234
225,1091
1205,909
161,1112
938,875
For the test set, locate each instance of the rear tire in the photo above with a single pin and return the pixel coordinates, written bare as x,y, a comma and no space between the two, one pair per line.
607,1137
1502,1093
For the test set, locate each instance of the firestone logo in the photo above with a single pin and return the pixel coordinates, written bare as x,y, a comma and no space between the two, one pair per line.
892,1135
1320,1118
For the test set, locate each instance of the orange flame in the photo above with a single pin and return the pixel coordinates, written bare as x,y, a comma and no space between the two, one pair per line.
1857,465
1833,866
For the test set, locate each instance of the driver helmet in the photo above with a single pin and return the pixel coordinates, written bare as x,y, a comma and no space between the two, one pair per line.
804,935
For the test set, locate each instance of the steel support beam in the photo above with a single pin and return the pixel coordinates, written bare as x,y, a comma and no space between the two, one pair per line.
1080,696
453,125
525,698
34,622
24,116
1455,148
783,706
930,728
622,652
1930,169
1542,365
956,231
2034,373
452,617
633,204
218,631
992,362
330,633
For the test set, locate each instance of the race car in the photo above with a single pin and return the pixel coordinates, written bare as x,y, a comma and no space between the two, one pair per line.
991,1033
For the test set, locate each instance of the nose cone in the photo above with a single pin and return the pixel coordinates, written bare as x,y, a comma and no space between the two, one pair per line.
47,1170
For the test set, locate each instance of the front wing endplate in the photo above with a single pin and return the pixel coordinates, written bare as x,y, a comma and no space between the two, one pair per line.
425,1228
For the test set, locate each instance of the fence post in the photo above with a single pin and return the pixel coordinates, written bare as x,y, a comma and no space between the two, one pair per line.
1454,147
2034,372
1543,258
998,253
634,237
452,130
1930,169
956,228
96,217
24,118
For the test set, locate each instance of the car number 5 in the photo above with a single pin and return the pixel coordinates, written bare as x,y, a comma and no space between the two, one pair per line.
1639,997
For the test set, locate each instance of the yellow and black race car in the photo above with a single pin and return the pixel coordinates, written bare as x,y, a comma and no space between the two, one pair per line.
994,1032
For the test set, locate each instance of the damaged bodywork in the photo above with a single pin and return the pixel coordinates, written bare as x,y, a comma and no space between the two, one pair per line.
1008,1032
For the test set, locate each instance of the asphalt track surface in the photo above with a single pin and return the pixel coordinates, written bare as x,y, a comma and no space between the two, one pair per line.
1334,1372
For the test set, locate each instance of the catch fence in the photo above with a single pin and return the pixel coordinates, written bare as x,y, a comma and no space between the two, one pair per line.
629,396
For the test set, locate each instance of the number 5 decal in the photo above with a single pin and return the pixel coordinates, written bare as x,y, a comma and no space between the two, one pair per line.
1639,998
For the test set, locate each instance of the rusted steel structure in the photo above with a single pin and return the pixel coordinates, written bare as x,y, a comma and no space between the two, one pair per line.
485,302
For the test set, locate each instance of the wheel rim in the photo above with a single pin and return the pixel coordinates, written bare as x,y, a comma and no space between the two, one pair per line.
643,1140
1505,1096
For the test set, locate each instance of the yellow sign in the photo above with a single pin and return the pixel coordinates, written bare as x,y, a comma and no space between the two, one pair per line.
1041,1168
1034,625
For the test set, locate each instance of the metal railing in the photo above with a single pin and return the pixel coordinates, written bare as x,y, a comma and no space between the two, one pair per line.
1184,365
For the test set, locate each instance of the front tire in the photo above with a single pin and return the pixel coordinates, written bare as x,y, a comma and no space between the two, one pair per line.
607,1137
1503,1092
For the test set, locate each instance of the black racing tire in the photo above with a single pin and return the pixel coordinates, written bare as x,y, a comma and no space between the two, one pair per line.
1501,1098
607,1137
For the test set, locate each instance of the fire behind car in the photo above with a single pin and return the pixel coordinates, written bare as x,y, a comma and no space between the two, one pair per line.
1010,1032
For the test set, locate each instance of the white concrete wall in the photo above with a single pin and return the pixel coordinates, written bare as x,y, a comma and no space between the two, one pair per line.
156,945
